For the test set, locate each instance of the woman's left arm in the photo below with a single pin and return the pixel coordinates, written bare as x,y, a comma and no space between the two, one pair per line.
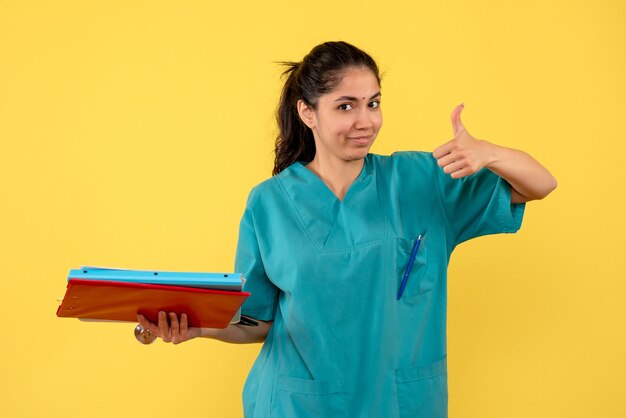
465,155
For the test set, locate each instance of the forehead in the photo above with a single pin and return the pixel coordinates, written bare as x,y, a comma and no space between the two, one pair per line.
357,82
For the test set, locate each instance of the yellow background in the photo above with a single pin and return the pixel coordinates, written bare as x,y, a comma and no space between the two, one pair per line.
132,132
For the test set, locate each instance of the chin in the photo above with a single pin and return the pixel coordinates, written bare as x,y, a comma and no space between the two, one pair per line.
357,154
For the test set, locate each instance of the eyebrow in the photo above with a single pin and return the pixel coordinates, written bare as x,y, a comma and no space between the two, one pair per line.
354,99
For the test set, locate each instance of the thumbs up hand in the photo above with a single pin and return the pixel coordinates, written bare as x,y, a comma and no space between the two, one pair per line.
463,155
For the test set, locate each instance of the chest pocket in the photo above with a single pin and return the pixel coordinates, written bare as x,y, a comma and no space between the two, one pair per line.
421,277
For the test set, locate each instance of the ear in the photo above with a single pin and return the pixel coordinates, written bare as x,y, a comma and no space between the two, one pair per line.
306,113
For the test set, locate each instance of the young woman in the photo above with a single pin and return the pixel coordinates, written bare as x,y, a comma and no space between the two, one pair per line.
346,252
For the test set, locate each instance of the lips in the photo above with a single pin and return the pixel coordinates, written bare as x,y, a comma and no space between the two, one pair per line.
360,140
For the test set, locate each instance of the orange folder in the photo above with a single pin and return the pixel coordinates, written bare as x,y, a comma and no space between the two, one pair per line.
121,301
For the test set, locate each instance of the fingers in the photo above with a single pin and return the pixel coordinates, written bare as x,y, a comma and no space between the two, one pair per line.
164,328
443,150
463,155
457,161
184,325
462,172
148,325
173,322
176,335
168,327
451,156
458,165
444,159
456,168
455,118
457,129
452,166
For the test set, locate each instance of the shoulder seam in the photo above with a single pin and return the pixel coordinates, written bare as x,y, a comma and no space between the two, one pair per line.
440,199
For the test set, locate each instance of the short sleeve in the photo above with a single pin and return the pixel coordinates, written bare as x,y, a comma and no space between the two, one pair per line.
478,205
261,304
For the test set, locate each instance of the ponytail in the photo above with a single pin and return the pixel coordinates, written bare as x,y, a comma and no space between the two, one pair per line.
295,140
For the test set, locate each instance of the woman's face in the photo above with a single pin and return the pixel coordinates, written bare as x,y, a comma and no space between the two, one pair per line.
347,119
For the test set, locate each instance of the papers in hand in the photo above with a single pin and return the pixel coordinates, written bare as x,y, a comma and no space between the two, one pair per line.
210,300
222,281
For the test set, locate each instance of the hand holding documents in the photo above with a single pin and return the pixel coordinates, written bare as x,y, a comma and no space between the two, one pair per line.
210,300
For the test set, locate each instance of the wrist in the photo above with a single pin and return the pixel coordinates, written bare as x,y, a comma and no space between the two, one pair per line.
206,333
492,153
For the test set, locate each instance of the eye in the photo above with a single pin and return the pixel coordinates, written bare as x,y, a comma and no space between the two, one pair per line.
345,106
374,104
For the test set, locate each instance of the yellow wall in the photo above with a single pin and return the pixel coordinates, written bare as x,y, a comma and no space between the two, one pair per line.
131,133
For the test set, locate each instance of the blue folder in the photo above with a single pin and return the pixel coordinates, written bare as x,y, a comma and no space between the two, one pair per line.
218,281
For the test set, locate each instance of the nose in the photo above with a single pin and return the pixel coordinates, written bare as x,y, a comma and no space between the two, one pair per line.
364,119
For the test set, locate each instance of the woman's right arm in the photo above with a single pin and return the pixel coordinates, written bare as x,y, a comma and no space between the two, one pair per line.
238,334
176,331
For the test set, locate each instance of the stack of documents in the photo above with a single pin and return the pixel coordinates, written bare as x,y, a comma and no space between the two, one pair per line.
210,300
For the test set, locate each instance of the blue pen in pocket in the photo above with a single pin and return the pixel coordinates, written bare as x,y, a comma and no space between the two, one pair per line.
409,266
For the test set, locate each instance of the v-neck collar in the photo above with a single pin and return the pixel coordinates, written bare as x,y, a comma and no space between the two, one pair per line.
333,224
321,187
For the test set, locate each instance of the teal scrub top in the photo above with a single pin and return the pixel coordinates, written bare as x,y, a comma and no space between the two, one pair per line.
327,272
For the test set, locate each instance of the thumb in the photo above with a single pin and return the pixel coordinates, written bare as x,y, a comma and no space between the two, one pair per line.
455,118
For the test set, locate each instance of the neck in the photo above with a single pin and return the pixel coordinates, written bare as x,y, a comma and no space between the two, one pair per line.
337,175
